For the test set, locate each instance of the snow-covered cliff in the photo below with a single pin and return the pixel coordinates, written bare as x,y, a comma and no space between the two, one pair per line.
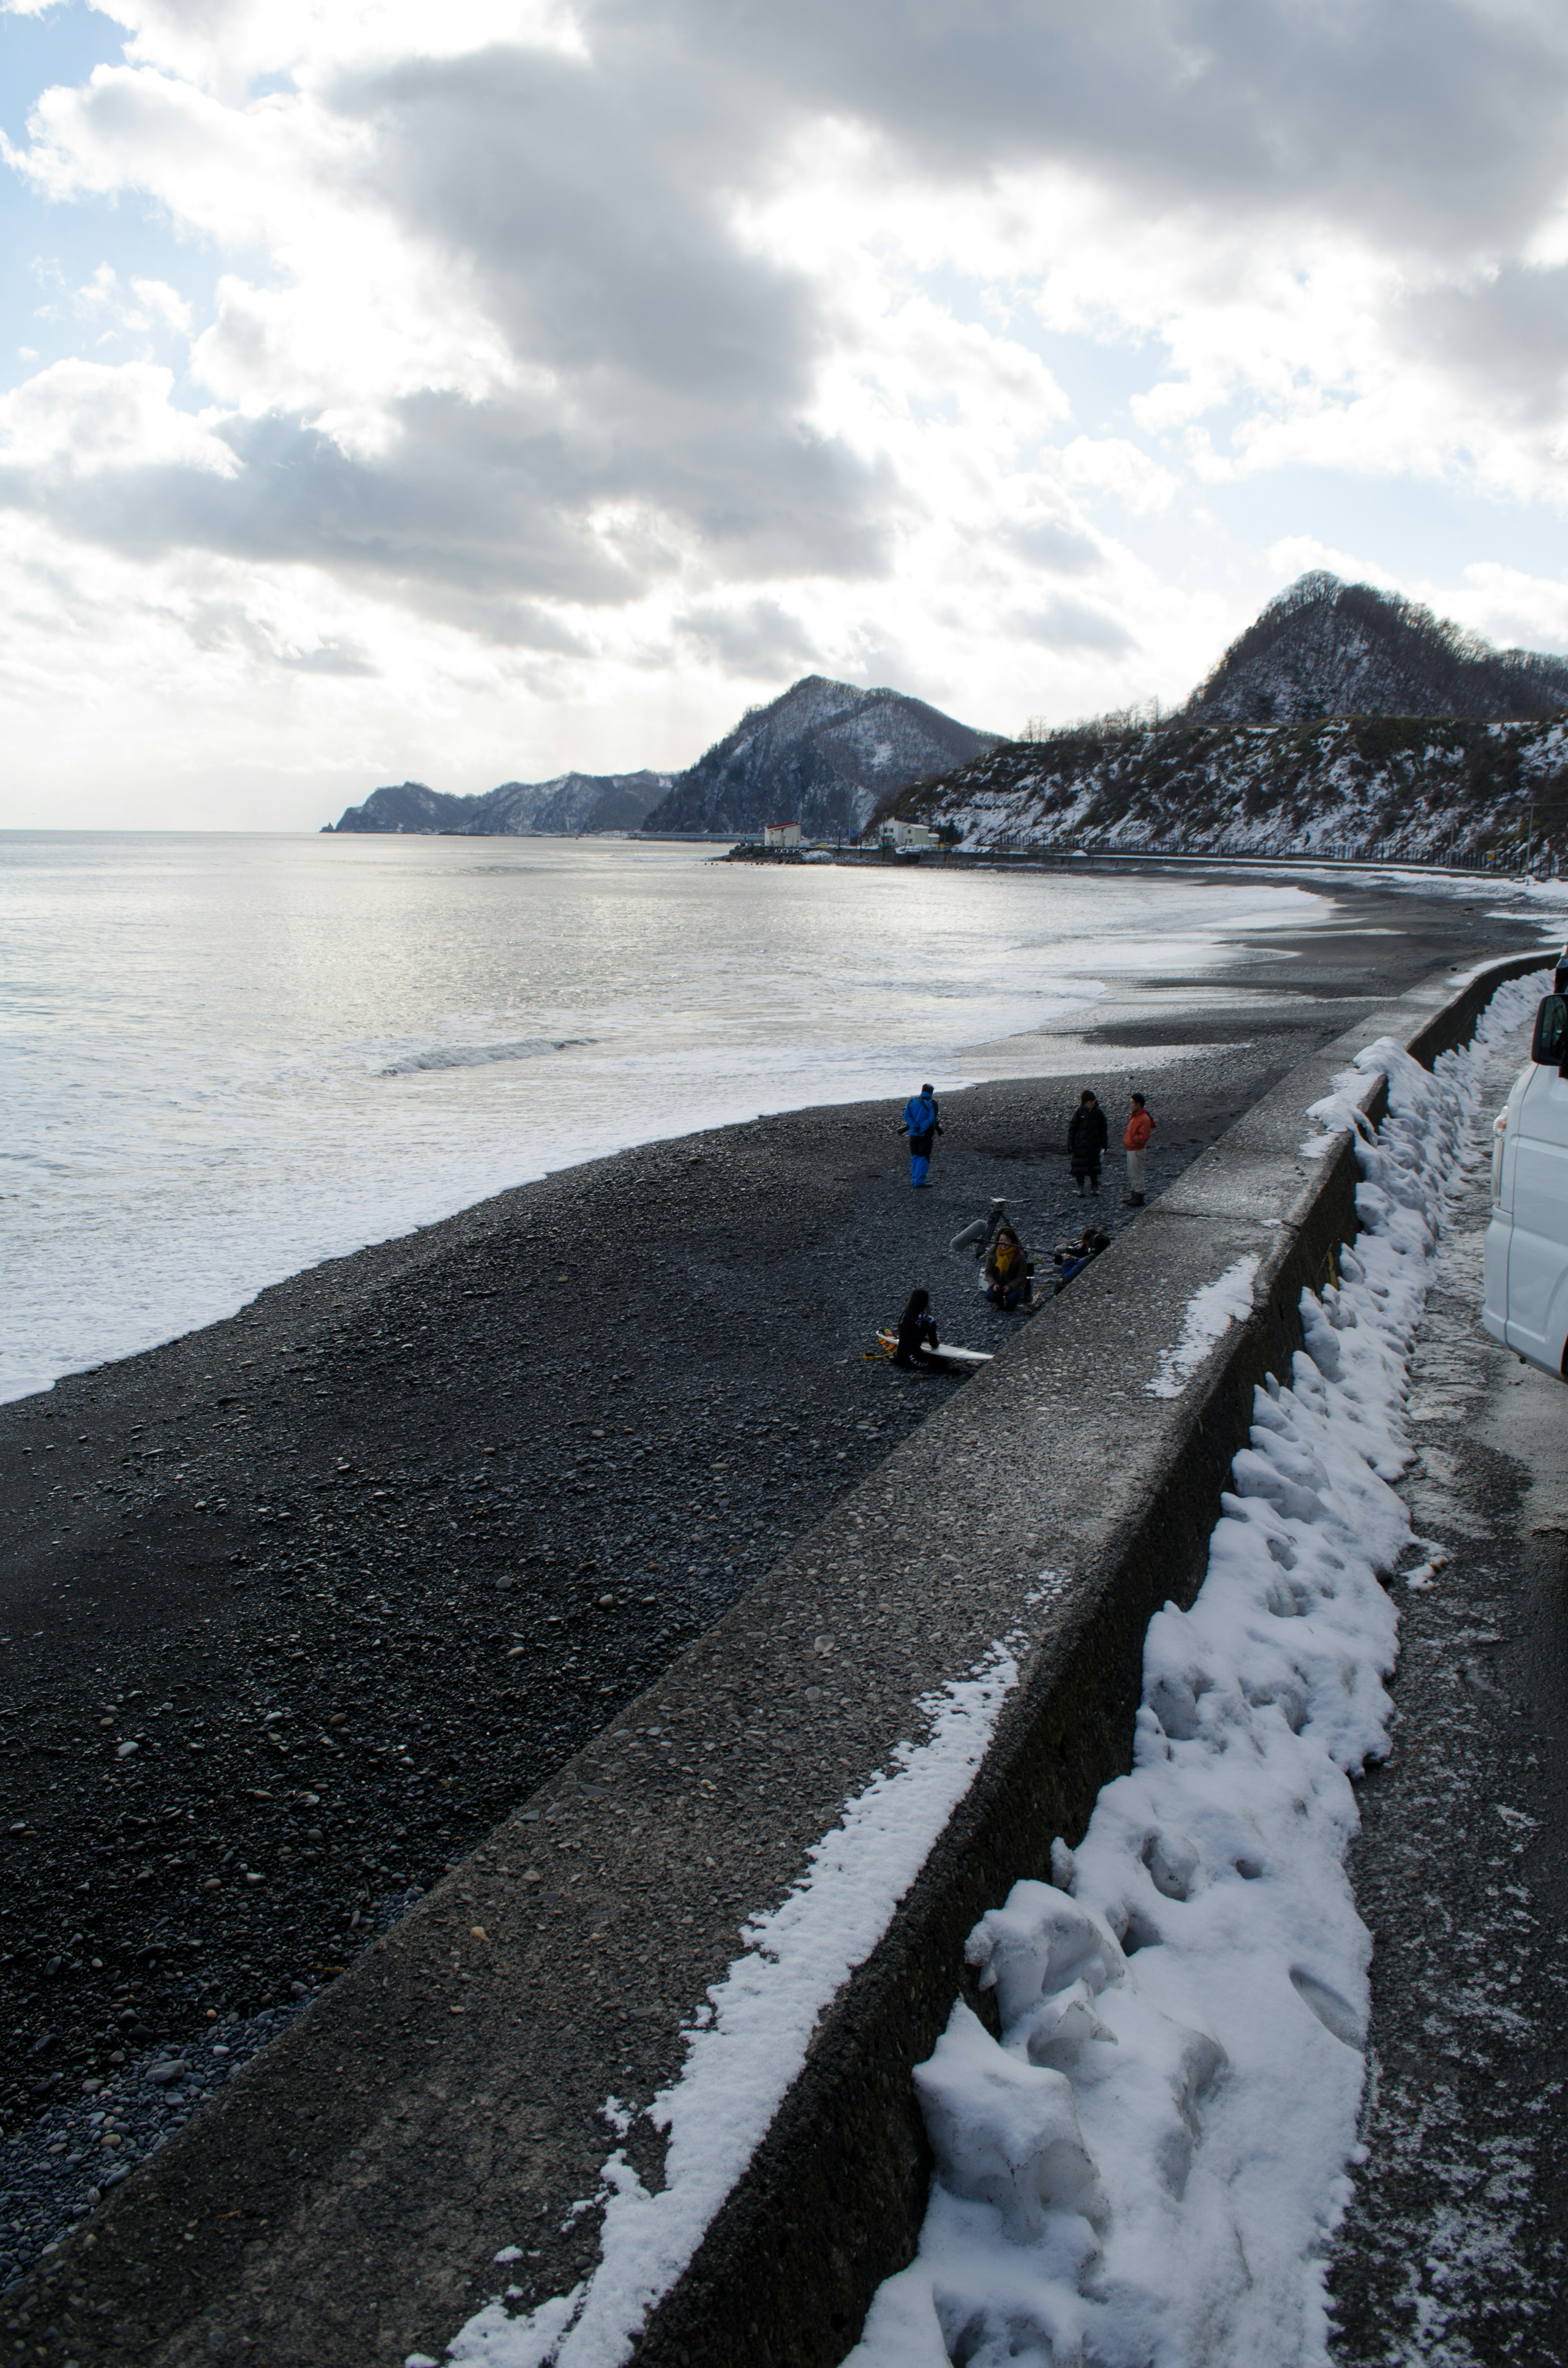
1366,784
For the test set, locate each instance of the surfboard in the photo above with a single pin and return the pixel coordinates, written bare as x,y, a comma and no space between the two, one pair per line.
954,1355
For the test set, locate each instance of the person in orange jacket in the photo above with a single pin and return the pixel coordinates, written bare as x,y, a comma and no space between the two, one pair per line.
1135,1143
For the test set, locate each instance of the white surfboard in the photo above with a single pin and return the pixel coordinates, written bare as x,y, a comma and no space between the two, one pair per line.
958,1356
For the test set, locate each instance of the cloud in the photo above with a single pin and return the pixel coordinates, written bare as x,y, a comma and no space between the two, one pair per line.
1054,545
529,349
760,640
1111,464
78,423
1064,623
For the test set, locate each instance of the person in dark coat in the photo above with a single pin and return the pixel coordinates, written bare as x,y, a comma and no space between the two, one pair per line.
1087,1135
916,1332
922,1126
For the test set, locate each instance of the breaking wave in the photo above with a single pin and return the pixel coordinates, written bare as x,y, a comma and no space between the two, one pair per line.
476,1056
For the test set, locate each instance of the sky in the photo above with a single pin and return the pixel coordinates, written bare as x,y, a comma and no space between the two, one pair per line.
470,393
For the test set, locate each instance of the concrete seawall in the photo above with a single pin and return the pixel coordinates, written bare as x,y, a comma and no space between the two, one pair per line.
344,2200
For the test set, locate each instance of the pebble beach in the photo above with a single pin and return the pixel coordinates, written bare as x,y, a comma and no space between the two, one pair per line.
296,1607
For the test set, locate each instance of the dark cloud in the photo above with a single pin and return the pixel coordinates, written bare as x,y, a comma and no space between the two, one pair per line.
1436,121
761,641
1063,623
591,203
484,501
1505,335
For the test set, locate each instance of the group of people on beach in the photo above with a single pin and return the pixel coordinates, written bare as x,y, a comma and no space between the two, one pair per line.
1089,1138
1007,1276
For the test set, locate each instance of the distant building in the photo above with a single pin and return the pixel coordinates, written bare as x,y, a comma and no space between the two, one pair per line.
782,834
914,835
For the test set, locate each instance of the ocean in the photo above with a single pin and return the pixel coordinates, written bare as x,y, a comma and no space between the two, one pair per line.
225,1058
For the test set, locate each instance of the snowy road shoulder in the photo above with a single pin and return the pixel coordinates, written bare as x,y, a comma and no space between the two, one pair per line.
1147,2166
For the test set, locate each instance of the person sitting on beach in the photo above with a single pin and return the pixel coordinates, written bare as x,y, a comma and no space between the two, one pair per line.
1071,1257
916,1332
1007,1270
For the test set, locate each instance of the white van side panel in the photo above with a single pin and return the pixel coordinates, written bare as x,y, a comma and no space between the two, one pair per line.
1538,1239
1504,1142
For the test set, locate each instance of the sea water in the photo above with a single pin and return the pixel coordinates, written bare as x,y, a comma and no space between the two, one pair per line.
223,1059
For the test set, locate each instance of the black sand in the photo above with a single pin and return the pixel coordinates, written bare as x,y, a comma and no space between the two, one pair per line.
356,1572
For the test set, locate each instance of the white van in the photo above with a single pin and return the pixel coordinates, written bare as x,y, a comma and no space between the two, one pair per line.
1525,1299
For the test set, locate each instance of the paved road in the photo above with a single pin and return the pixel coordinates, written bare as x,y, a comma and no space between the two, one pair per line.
1452,2253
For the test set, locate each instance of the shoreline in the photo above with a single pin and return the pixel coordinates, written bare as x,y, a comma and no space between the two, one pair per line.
354,1571
1127,1010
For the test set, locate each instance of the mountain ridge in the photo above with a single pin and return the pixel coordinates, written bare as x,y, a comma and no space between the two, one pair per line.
1432,787
1324,649
823,754
1438,743
570,805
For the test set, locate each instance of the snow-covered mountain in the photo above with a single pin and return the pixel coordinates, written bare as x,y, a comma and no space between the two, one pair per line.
824,755
1364,784
572,804
1345,717
1325,648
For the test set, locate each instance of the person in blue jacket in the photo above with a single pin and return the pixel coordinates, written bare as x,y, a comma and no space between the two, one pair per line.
922,1126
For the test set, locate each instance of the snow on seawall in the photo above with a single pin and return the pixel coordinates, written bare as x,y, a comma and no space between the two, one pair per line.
1145,2171
749,2043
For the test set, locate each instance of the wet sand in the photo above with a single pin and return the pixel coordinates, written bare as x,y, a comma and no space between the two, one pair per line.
297,1607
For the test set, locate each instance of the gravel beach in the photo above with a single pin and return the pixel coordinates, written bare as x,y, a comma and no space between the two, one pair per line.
295,1608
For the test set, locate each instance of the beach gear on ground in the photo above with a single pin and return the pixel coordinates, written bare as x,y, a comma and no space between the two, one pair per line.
977,1236
944,1353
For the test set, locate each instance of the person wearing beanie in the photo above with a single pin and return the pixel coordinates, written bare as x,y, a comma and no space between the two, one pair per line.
922,1126
1135,1143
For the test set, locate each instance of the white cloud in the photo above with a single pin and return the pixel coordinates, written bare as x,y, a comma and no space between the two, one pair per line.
564,367
79,420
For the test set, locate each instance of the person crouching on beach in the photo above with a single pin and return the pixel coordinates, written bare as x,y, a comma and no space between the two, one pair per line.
1135,1143
916,1332
922,1126
1006,1272
1087,1135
